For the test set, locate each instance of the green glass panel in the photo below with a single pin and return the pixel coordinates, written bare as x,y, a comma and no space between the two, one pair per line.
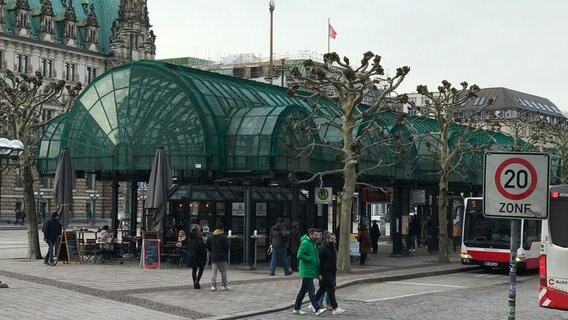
89,97
269,124
265,145
99,116
251,125
104,85
110,108
121,78
263,111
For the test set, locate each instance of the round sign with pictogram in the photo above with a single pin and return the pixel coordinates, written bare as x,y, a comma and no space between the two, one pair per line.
516,185
323,195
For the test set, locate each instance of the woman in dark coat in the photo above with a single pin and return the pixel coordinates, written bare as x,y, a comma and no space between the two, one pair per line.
365,244
197,255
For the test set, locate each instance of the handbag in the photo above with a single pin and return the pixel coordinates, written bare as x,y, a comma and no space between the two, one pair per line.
269,250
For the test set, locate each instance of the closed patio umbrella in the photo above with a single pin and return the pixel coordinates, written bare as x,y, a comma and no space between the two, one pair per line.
64,184
161,181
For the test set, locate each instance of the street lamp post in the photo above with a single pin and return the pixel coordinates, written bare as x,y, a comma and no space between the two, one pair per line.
9,150
93,197
271,6
39,213
282,72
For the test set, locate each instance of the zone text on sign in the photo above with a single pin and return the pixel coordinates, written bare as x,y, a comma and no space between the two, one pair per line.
508,207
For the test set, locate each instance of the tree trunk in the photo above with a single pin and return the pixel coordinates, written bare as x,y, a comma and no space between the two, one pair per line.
344,254
34,251
443,253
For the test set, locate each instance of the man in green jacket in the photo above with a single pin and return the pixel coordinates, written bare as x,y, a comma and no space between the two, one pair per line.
309,270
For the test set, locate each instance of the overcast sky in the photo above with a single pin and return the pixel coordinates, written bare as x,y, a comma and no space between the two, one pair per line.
517,44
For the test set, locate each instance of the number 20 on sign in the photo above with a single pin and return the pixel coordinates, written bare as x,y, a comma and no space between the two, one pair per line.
516,185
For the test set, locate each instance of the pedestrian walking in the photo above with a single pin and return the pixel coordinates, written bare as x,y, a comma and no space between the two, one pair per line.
308,258
295,237
218,246
197,256
278,240
365,244
18,217
428,230
328,272
375,235
51,231
413,229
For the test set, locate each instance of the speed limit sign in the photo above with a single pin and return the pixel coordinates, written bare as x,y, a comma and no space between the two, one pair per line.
516,184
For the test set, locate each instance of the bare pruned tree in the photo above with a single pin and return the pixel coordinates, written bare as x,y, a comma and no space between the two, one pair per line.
337,90
448,145
526,128
554,139
22,101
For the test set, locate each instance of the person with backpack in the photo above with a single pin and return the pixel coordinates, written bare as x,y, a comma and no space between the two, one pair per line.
279,237
51,231
218,245
309,270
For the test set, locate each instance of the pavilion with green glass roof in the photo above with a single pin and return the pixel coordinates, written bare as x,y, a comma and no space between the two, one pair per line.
226,140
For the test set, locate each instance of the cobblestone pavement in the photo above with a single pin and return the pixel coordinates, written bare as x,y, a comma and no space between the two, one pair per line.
124,291
489,302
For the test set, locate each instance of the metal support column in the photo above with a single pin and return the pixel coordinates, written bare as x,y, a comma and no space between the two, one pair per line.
133,208
247,258
114,207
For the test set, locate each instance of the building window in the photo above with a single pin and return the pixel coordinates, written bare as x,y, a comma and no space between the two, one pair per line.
1,59
46,25
19,183
91,74
479,101
90,181
92,36
46,68
21,63
69,72
46,115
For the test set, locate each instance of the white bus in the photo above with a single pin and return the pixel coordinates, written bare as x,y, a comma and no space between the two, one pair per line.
487,241
553,288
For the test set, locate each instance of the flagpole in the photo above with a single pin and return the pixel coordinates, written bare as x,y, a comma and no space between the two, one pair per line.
328,24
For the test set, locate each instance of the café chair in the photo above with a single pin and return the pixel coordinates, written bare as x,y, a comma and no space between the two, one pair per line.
90,250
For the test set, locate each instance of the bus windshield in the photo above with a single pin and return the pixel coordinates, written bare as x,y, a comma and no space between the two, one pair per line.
483,232
557,221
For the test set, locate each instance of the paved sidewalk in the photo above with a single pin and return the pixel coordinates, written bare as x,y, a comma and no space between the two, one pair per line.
124,291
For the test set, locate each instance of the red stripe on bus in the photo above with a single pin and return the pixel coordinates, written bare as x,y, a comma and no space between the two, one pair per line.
490,255
557,299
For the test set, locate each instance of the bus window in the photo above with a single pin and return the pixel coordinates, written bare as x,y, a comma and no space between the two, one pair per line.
486,232
557,222
531,232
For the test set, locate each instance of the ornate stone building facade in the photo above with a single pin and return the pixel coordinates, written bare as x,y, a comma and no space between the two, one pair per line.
75,41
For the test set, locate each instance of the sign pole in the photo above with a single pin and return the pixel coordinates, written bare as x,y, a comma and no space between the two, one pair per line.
515,229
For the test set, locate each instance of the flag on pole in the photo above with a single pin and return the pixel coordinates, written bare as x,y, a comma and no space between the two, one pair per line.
332,33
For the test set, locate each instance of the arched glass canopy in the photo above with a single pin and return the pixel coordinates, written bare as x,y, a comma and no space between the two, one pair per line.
211,124
205,122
